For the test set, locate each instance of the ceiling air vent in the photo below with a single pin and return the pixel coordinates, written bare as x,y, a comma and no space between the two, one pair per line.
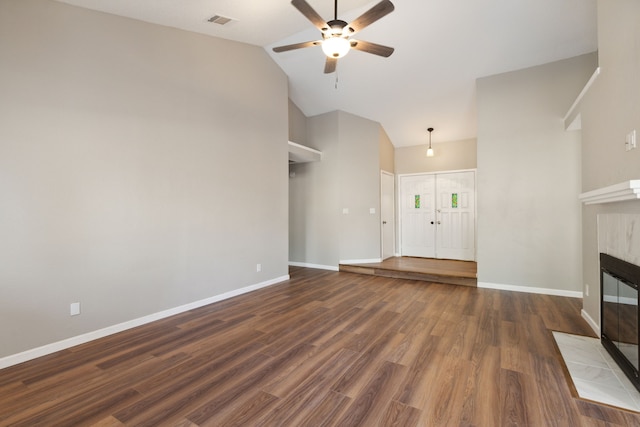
218,19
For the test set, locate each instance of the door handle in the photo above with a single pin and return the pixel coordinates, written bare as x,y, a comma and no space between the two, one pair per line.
384,222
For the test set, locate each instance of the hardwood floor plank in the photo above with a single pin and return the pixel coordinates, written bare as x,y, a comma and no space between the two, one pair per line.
281,340
173,398
398,414
248,413
368,408
216,407
443,406
539,338
80,410
110,421
512,406
420,381
482,396
324,348
459,340
590,422
18,373
404,297
554,397
351,381
309,389
365,316
489,326
332,406
327,331
327,364
607,414
196,367
514,359
66,389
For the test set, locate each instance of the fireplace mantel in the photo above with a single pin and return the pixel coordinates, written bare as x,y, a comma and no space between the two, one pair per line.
627,190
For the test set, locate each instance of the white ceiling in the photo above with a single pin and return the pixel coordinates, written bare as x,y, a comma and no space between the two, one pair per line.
441,47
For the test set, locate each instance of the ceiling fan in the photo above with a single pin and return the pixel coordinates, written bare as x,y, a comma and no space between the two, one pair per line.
336,41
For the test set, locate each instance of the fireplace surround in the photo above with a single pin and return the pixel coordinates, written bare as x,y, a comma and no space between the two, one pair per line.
620,330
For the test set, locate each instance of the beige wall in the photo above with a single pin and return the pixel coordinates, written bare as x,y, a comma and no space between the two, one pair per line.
387,152
359,187
529,177
138,171
314,228
609,111
297,124
348,177
454,155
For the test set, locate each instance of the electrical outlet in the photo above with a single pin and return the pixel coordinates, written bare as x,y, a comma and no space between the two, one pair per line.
74,309
586,289
258,268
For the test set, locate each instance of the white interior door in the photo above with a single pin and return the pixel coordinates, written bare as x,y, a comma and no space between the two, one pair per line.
437,215
417,205
387,197
455,213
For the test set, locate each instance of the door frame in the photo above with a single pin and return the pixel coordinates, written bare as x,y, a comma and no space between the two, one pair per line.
475,213
392,222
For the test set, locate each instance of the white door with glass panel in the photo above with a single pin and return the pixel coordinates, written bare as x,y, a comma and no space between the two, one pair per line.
418,215
438,215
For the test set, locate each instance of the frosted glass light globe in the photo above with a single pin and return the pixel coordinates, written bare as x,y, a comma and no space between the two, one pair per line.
336,47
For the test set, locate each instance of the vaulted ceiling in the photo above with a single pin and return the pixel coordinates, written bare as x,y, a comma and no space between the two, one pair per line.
441,48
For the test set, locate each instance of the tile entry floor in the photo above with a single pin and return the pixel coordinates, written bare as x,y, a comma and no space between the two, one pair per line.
595,374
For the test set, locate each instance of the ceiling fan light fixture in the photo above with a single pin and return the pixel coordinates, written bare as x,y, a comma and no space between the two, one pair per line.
336,32
336,47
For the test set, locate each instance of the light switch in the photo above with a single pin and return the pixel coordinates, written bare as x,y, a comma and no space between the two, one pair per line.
74,308
630,142
372,211
345,211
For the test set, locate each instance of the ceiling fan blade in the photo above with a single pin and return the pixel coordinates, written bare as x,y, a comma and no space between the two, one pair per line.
383,8
376,49
296,46
310,14
330,65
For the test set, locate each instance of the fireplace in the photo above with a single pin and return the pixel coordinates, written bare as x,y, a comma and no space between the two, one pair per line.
619,281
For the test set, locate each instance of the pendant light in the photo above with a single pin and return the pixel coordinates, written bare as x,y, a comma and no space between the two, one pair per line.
430,150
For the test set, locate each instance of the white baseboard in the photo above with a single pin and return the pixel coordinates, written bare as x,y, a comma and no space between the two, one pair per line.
318,266
34,353
531,290
591,322
360,261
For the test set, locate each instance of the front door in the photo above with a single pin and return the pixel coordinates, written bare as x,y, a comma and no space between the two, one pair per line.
455,213
437,213
418,215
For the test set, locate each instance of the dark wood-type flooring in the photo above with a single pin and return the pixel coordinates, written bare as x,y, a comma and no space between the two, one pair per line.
426,269
322,349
